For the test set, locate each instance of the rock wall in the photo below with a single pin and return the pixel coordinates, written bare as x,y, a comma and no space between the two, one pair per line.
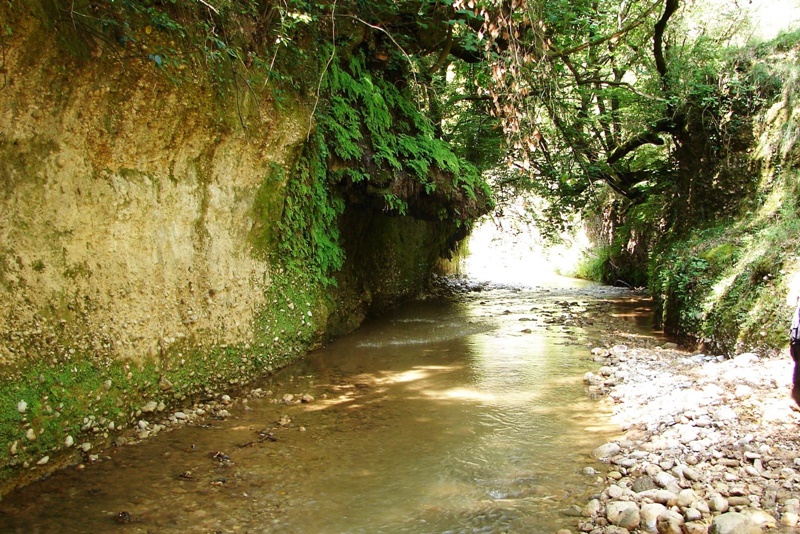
125,206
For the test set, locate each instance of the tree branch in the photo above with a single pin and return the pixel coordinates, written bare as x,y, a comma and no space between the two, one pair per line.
448,45
650,137
632,89
622,31
658,39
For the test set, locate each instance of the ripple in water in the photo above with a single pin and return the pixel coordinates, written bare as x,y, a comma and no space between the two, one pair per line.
442,418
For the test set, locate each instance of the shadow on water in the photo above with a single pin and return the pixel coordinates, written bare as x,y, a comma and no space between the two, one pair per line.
465,416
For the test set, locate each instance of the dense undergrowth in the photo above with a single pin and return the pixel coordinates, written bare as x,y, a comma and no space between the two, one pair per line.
718,268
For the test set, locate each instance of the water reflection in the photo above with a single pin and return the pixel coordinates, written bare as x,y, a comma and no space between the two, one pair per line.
445,417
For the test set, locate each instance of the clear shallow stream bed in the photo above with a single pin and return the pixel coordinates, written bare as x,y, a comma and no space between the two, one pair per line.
467,415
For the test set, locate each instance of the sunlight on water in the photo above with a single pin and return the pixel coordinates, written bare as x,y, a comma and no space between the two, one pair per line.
441,417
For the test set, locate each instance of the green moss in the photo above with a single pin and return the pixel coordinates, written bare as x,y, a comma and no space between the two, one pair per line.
79,394
77,270
721,256
267,207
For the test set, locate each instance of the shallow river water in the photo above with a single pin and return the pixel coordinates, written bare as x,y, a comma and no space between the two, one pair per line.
443,416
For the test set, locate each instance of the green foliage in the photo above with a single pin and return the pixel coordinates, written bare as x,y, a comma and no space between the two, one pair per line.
681,282
594,265
309,224
785,41
241,48
369,118
266,211
725,285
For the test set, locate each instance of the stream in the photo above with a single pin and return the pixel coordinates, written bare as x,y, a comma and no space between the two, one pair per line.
460,415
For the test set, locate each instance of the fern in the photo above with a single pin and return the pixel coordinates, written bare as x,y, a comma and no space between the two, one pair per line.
309,225
366,111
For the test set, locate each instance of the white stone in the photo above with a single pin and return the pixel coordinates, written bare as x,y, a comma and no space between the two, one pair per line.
614,491
691,474
687,497
649,516
591,509
623,514
717,503
22,406
792,505
746,359
670,522
733,523
761,518
667,481
607,450
69,441
43,460
725,413
692,514
660,496
790,519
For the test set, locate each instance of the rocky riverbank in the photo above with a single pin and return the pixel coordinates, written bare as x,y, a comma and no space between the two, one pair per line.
710,444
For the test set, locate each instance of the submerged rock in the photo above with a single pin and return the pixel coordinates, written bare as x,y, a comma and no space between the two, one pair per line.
607,450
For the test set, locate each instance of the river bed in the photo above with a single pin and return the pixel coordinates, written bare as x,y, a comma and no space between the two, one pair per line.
466,414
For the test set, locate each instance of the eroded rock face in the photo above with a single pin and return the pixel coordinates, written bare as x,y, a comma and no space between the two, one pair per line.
126,206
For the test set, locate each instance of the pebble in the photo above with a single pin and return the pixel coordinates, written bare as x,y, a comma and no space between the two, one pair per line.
687,498
69,441
703,465
592,509
150,407
670,522
22,406
660,496
692,514
623,514
718,503
790,519
649,516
